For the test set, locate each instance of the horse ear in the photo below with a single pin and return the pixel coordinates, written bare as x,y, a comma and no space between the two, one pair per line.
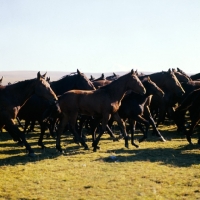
169,70
102,75
79,73
1,79
114,74
44,75
132,71
38,75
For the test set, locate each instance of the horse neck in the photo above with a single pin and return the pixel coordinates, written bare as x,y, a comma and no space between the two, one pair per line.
159,79
116,89
63,85
21,91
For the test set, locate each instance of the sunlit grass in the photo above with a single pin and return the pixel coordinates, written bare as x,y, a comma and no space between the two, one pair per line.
156,170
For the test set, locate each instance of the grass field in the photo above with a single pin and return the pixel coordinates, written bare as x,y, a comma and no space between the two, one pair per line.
156,170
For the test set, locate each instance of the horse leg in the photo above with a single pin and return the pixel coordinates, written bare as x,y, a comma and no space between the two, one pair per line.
26,124
13,129
194,121
61,128
77,137
122,126
19,122
110,122
42,129
32,126
140,119
155,130
132,124
102,130
148,116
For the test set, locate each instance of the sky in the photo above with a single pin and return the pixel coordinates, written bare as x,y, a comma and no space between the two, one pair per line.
100,35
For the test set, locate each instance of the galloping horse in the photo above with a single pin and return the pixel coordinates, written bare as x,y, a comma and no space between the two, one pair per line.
100,103
134,107
37,106
14,96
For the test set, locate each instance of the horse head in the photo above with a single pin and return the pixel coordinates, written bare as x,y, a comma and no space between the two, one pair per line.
135,84
172,84
43,89
82,82
151,87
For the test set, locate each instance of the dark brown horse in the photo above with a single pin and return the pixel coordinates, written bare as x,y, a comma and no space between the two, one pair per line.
100,103
14,96
195,76
112,77
172,88
100,83
134,107
37,106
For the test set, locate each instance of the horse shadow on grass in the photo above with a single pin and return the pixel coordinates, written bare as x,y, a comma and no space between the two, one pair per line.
183,156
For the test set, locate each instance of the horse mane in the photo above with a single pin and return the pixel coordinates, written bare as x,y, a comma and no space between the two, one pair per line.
113,82
20,83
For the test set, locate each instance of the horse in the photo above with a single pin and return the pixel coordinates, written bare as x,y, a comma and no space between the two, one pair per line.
134,107
100,83
182,72
182,78
99,103
112,77
172,88
195,76
38,107
102,77
191,104
14,96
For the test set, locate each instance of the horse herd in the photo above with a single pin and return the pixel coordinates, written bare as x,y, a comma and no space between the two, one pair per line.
75,100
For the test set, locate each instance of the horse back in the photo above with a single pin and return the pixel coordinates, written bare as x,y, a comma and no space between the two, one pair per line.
86,102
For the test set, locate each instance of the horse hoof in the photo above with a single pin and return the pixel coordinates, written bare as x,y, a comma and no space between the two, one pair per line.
20,143
162,139
135,145
120,137
32,155
127,146
115,139
86,148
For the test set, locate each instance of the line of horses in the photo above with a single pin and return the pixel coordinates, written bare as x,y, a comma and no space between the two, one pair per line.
75,100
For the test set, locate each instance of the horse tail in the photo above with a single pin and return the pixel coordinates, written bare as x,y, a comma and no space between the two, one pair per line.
188,101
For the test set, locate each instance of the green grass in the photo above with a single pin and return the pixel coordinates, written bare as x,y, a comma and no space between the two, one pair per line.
156,170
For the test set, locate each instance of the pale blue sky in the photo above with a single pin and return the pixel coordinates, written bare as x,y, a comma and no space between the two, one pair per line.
99,35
